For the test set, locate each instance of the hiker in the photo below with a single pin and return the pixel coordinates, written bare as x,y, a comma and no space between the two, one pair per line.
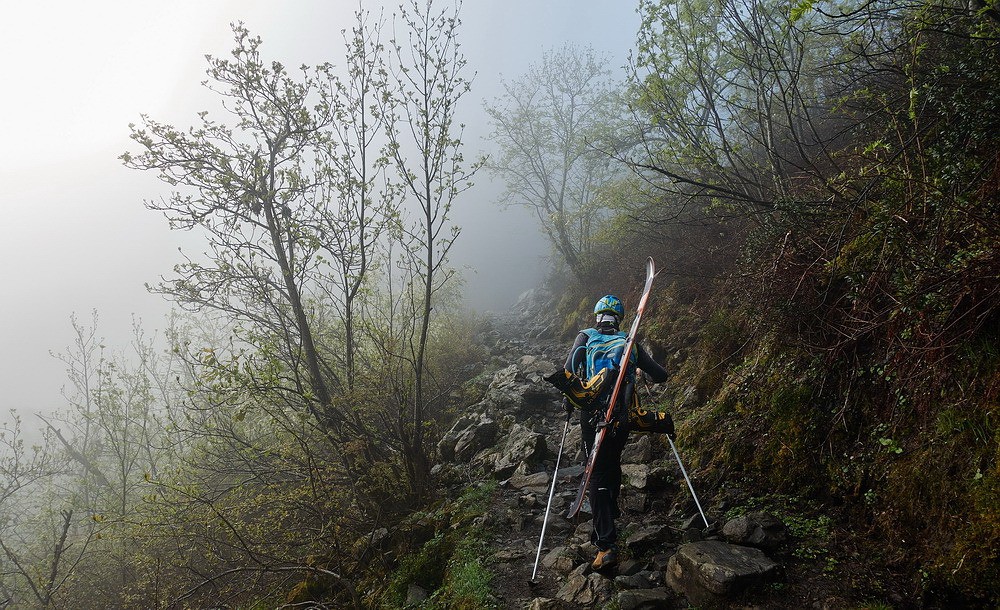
595,357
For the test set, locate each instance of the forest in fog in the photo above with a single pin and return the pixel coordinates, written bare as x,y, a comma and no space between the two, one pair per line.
818,181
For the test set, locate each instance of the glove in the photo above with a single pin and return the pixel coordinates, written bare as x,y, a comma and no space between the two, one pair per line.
653,421
568,406
668,427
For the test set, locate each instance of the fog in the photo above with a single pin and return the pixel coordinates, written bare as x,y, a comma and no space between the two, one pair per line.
77,237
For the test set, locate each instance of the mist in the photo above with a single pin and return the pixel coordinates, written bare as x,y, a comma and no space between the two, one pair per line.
79,238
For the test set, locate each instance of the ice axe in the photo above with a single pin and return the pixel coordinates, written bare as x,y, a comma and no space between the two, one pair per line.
548,505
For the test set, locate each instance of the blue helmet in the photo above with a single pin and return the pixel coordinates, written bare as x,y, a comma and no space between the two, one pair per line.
610,304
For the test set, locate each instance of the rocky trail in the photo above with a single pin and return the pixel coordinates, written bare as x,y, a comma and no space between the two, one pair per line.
668,558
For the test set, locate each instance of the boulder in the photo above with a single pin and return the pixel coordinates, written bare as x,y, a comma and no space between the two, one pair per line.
583,589
649,478
644,599
629,567
639,450
562,559
522,446
635,502
469,435
520,389
761,530
709,572
647,540
538,483
545,603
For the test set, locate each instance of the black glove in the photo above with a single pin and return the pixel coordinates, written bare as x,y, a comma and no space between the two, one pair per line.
668,427
568,406
653,421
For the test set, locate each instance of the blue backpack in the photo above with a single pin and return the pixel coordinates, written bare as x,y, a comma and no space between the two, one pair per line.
605,352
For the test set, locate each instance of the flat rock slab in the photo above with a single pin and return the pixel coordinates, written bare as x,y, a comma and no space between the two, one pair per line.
644,599
709,571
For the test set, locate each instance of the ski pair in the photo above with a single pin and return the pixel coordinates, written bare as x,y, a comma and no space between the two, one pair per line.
619,384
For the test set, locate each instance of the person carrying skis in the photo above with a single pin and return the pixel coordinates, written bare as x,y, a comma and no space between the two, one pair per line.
595,358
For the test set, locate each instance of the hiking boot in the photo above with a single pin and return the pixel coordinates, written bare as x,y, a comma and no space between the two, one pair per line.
605,559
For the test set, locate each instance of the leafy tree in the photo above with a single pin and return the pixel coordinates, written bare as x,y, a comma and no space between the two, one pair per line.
428,83
32,566
355,201
546,124
732,103
256,194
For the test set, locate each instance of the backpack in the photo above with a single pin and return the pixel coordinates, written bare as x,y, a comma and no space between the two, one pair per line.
605,352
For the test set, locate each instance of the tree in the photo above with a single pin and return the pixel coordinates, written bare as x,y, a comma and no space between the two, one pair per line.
255,197
429,83
732,105
546,124
27,570
359,205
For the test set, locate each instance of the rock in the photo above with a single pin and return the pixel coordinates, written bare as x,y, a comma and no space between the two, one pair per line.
562,559
510,554
557,526
378,538
635,502
647,539
761,530
545,603
694,523
523,446
585,590
660,562
689,398
519,390
537,482
469,435
644,599
635,581
649,478
415,595
573,450
708,572
638,451
536,368
571,473
629,567
527,500
582,531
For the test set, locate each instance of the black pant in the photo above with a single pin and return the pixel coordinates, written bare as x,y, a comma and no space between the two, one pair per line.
605,481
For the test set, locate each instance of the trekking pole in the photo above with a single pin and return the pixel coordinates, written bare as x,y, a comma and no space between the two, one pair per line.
681,464
686,478
552,491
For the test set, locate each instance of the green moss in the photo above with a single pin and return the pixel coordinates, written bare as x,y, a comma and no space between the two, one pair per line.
451,565
972,563
425,568
467,580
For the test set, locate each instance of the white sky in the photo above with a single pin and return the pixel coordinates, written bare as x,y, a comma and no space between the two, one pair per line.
75,235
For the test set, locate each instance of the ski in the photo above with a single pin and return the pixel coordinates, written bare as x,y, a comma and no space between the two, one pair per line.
619,382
